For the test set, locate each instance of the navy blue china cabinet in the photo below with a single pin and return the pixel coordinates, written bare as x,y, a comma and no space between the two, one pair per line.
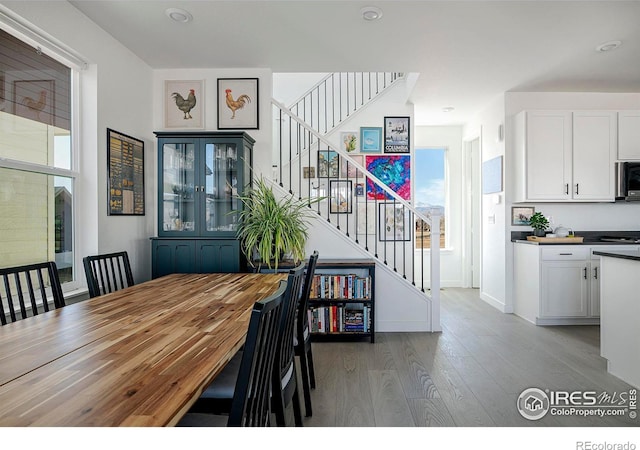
200,175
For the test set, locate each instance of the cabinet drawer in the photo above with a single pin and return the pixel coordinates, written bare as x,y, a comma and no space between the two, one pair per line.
612,248
565,253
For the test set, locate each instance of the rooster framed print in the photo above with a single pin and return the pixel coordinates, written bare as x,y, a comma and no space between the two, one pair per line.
238,105
184,104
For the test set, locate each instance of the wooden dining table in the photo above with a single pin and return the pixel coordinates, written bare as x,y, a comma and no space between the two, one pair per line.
136,357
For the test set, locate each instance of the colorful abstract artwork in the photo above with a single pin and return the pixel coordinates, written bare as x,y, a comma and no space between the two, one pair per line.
394,171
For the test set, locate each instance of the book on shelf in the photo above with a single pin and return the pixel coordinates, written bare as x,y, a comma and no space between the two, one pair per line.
346,318
349,286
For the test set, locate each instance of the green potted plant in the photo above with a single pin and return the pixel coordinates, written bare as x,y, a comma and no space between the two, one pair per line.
539,223
270,228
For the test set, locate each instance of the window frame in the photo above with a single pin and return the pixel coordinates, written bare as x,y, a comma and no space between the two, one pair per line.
30,37
414,168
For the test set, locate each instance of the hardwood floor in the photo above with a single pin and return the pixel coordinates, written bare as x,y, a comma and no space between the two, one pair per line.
471,374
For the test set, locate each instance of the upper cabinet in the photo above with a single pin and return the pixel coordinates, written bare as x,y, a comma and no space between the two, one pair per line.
564,156
629,135
199,178
594,155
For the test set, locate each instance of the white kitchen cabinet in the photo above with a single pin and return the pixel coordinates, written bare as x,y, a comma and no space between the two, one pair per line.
629,135
564,289
564,156
594,287
559,284
543,155
594,154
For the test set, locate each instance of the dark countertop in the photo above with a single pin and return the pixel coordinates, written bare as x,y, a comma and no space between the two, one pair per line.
634,256
592,238
585,242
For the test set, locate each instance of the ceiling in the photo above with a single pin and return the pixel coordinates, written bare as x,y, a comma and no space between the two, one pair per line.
466,52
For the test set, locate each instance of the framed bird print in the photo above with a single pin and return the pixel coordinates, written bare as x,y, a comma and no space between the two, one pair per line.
238,104
184,104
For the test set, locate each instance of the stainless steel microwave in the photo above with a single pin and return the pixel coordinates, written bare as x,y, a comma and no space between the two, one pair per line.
628,181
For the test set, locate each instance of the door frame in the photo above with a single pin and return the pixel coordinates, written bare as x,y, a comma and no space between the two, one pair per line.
472,207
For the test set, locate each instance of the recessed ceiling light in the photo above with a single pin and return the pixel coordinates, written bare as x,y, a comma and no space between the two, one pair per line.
371,13
608,46
448,109
178,15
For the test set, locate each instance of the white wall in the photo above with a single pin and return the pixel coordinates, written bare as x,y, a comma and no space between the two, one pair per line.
115,93
493,208
289,87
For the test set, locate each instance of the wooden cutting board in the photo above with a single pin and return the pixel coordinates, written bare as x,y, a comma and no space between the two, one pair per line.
557,240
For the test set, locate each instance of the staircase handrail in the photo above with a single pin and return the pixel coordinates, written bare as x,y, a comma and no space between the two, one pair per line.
311,89
345,155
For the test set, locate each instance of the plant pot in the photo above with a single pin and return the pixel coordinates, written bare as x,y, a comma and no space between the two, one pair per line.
539,233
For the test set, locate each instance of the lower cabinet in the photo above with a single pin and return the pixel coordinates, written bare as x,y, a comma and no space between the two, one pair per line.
558,284
564,289
194,256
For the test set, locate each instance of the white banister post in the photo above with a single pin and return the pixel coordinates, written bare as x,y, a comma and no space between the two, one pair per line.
434,268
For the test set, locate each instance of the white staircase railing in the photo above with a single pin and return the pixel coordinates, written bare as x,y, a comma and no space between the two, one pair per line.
338,95
383,224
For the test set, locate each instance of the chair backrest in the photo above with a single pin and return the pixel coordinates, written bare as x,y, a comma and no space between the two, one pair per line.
107,273
285,352
28,290
251,406
302,321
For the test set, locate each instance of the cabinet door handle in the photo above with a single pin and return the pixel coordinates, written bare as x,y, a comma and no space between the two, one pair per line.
585,273
595,273
566,188
577,188
565,254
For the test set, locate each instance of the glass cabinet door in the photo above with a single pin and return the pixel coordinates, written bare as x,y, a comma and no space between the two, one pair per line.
178,190
221,187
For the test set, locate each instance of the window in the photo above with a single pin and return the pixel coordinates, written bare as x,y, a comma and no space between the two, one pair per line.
430,191
36,160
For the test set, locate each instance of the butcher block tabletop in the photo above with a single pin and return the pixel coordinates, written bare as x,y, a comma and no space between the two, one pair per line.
137,357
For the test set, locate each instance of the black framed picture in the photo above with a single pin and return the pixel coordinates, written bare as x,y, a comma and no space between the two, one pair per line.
184,104
328,164
396,135
394,222
520,215
238,104
341,196
125,175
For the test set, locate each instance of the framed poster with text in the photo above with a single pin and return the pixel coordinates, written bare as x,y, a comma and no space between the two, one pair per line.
396,135
125,175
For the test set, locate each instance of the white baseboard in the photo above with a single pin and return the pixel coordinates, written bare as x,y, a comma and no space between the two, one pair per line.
493,302
569,321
